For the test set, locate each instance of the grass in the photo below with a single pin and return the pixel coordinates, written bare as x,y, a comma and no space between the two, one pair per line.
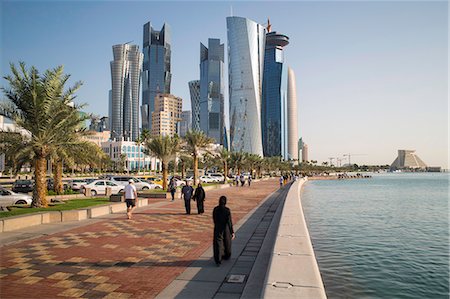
67,205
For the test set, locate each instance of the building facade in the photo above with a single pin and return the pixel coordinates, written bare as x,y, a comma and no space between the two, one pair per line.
156,75
246,41
292,117
131,154
212,90
97,137
274,95
186,122
167,115
125,80
305,154
194,90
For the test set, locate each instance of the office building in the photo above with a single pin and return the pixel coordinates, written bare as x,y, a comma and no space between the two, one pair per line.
186,122
212,90
274,96
167,115
305,157
246,41
194,90
292,117
156,75
125,78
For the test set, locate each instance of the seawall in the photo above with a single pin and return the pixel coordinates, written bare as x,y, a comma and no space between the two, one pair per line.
293,271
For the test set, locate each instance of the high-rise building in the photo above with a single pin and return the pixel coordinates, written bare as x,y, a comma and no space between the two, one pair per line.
167,115
212,90
246,41
274,96
292,116
194,90
156,74
186,122
305,157
125,78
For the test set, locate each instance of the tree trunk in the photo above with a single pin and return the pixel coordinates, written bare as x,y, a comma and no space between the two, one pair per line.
195,168
225,171
164,173
40,187
139,159
183,169
57,177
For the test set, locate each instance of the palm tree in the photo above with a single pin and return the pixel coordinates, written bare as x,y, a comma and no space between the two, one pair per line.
238,160
195,143
40,105
15,147
139,141
145,135
184,159
224,156
164,148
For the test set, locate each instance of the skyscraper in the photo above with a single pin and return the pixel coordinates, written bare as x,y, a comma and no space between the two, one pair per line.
246,41
292,115
156,74
167,115
186,122
194,90
125,78
274,93
212,90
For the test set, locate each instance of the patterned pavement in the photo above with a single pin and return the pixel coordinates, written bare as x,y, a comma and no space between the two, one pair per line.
120,258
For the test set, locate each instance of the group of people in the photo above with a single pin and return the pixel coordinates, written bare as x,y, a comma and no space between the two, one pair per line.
241,179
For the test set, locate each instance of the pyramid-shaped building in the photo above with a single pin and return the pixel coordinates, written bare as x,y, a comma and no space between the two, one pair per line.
407,159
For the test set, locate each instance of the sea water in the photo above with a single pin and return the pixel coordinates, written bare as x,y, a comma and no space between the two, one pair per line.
383,237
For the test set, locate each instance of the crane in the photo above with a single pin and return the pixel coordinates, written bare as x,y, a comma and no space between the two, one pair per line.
349,156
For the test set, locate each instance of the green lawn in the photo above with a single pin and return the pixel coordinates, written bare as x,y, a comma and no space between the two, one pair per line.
68,205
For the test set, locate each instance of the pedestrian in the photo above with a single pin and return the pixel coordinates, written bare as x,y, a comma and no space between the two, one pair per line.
236,180
223,231
249,180
186,193
281,181
199,197
130,197
242,179
172,188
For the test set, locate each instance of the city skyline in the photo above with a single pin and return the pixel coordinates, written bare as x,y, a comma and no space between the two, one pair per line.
364,87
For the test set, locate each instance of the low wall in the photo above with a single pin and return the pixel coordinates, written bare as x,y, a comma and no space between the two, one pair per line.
293,271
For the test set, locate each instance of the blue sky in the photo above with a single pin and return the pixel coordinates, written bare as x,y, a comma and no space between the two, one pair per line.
372,77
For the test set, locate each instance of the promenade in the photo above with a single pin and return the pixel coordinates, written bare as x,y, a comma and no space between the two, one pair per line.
160,251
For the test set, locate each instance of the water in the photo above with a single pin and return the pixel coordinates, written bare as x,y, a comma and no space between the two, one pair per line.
385,237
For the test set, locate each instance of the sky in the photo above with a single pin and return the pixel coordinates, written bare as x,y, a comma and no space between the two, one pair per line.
372,77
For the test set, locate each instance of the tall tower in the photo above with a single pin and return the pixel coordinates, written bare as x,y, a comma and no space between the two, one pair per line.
194,90
156,74
274,127
124,97
292,115
246,40
212,90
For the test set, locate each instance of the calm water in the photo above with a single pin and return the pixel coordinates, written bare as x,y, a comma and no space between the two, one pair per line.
385,237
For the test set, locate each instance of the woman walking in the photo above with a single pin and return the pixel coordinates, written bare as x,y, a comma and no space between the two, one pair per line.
172,188
223,231
199,196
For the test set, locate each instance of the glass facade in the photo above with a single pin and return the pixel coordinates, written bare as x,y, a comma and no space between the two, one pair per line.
124,95
194,90
156,75
246,41
274,97
211,115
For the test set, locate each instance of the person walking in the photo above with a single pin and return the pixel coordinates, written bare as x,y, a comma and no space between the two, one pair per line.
186,193
199,197
249,180
236,180
281,181
130,197
223,231
242,180
172,188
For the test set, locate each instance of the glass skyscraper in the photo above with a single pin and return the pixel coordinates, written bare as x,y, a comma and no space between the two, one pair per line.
156,74
274,97
246,42
194,90
212,90
124,96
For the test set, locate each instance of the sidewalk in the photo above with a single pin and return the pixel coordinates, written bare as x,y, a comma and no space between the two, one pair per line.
112,257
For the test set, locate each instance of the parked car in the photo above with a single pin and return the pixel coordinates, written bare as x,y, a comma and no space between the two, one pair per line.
51,184
217,177
99,187
178,181
76,184
9,198
152,179
206,179
140,185
23,186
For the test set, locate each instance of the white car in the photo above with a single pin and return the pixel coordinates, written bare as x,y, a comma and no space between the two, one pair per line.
77,183
99,187
9,198
217,177
206,179
140,184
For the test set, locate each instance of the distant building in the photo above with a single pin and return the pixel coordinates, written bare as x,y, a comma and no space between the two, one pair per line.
167,115
246,41
133,155
97,137
292,117
156,75
125,79
186,122
212,90
194,90
99,124
407,159
305,157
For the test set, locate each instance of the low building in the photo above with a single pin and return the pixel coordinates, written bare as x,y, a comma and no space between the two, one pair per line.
97,137
408,160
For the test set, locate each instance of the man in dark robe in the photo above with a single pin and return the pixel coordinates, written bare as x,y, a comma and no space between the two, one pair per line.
199,196
223,231
186,193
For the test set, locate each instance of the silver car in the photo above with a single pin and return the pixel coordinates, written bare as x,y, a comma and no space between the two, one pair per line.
9,198
140,184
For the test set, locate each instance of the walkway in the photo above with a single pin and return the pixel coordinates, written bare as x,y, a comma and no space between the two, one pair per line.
117,258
